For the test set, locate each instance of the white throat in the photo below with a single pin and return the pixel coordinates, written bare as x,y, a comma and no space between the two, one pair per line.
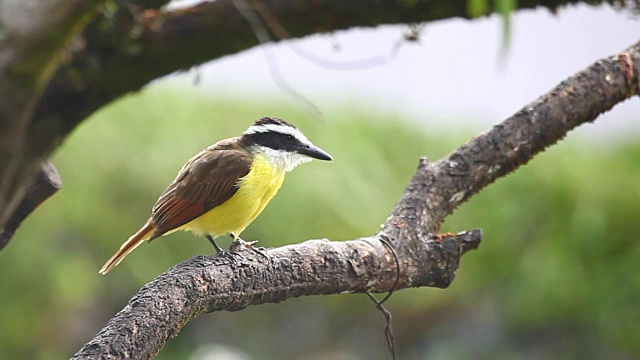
282,160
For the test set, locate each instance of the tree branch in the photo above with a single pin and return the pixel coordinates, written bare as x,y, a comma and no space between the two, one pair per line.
235,280
46,183
512,143
125,51
240,277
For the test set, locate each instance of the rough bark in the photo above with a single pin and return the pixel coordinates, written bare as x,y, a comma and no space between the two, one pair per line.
133,42
236,280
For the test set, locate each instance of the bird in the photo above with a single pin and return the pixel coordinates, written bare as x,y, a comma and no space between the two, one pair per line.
223,188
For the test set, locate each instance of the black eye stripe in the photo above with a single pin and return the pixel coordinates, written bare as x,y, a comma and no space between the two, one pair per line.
274,140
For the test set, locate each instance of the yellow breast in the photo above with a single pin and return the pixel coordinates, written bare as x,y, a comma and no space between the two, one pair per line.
256,189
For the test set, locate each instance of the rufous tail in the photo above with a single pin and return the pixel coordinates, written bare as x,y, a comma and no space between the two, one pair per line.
134,241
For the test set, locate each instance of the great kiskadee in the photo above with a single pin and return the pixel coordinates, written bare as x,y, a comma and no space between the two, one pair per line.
226,186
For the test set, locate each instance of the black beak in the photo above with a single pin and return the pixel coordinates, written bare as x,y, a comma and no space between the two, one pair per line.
315,152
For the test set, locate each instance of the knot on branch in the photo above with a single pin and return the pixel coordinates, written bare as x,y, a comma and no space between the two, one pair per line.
46,183
632,78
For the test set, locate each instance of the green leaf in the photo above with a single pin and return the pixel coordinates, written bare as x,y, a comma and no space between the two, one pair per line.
505,8
476,8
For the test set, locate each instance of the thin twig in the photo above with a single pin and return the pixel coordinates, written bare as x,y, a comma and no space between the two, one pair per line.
388,330
360,64
276,74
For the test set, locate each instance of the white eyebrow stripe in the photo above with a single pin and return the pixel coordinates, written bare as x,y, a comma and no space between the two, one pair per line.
282,129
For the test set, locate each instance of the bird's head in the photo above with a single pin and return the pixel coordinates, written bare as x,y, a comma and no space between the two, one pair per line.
282,143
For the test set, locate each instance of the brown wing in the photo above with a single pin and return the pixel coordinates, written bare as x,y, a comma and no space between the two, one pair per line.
206,181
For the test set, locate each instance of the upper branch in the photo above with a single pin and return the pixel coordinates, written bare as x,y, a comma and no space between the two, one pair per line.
124,51
235,280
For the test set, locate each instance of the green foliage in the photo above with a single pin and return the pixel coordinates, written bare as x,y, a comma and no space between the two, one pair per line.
505,8
477,8
556,275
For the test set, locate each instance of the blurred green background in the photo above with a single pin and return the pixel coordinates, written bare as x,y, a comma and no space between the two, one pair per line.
556,277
